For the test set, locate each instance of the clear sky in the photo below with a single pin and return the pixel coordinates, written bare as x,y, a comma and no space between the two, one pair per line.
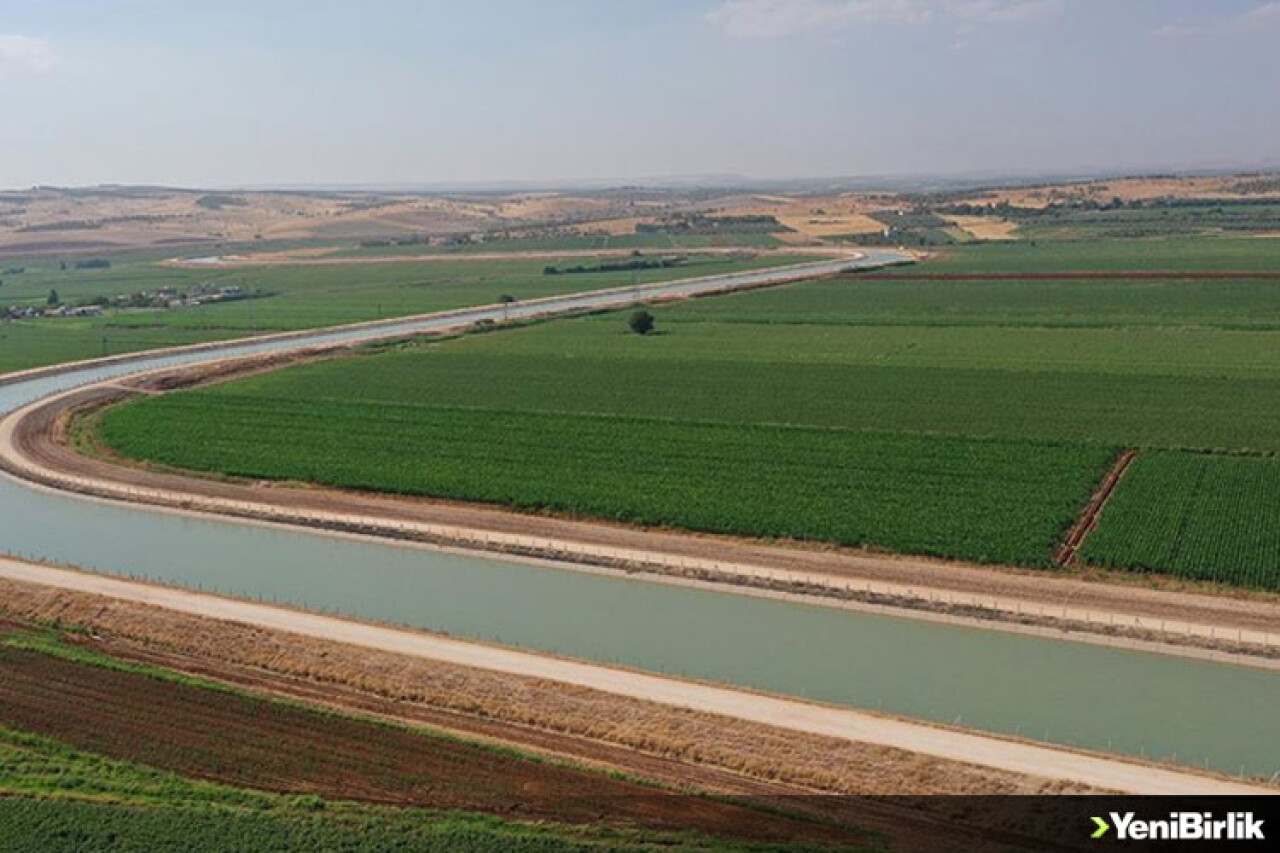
235,93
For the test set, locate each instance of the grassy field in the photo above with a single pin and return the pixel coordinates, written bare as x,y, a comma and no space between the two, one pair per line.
902,379
300,298
100,753
1197,516
1237,303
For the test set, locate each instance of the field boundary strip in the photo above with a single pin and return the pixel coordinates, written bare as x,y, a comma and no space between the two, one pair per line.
1088,519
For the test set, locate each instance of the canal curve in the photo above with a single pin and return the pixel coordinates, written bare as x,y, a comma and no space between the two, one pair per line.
1203,713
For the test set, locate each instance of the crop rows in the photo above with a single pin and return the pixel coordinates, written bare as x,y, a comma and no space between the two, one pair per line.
991,501
177,731
67,826
784,376
170,751
1201,517
1241,303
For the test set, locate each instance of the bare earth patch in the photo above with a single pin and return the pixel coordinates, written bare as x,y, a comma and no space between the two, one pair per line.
820,225
249,742
985,227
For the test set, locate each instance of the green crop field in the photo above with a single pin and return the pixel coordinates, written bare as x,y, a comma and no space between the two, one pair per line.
1234,303
299,297
736,374
919,494
1197,516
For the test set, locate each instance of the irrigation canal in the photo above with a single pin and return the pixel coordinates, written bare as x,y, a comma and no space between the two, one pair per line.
1205,713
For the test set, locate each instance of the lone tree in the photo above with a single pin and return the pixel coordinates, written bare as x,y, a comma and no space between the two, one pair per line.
53,298
641,322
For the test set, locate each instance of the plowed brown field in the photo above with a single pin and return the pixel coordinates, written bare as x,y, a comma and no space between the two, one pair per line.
249,742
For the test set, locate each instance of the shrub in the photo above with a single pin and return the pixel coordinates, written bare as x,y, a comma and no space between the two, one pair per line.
641,322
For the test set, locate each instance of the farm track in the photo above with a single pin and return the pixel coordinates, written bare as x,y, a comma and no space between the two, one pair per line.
1089,518
1030,597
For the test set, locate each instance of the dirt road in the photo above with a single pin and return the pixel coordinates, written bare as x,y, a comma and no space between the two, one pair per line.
1013,756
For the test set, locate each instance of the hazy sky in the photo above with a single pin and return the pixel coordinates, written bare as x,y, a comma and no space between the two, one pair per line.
380,91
